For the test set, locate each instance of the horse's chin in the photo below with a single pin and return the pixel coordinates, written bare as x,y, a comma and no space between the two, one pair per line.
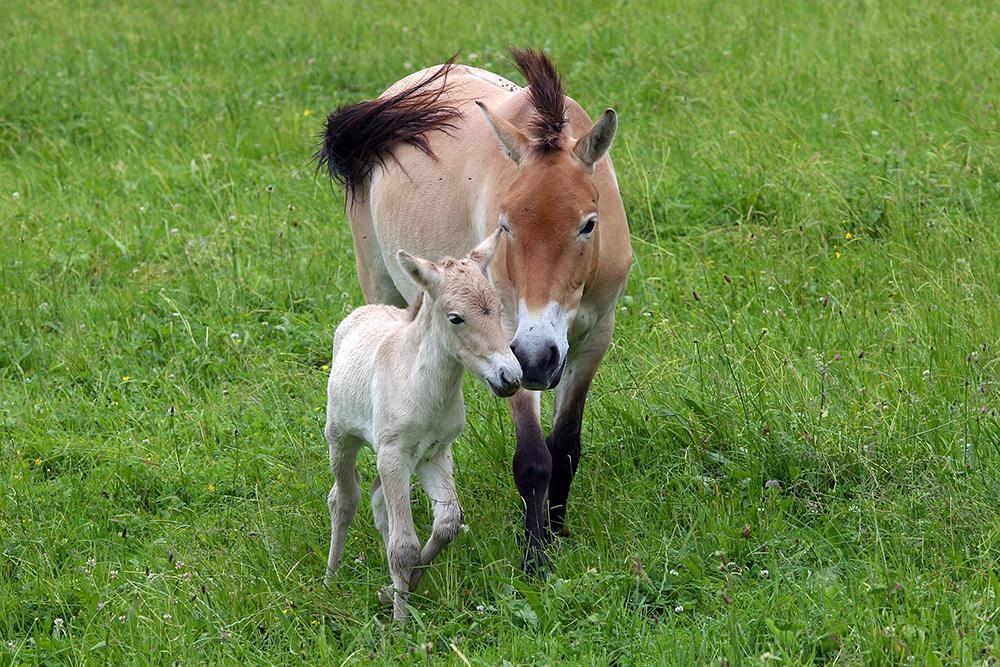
551,383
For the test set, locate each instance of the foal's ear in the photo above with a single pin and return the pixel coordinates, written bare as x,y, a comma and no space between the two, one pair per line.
483,253
514,144
424,273
594,145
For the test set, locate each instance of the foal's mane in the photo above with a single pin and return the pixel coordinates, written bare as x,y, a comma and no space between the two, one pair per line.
546,94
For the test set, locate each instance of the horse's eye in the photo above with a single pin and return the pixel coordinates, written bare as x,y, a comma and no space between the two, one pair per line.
588,226
455,318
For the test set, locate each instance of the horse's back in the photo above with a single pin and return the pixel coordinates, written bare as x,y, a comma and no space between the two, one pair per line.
444,203
434,205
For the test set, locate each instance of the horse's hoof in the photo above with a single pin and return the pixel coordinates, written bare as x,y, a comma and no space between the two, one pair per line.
561,531
385,596
535,562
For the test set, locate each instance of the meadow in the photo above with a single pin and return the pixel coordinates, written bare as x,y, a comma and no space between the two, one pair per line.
792,450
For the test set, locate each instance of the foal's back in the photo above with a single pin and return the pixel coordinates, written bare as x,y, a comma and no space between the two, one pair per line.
356,346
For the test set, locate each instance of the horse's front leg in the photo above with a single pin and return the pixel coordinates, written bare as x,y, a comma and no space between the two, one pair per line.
567,418
532,472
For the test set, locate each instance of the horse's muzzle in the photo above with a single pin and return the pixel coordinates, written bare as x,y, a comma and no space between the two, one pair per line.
540,371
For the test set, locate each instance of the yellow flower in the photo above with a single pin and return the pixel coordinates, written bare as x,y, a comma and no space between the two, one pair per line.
307,112
126,378
837,254
325,367
285,610
848,236
38,462
315,622
211,487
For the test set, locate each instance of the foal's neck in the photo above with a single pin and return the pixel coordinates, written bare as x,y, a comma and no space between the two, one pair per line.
438,370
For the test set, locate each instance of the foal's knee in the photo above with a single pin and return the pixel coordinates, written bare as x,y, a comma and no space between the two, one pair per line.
404,554
448,523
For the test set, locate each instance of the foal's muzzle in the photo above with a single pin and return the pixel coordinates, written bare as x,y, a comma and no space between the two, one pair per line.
507,386
504,379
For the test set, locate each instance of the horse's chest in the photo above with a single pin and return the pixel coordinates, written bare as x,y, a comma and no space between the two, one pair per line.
583,322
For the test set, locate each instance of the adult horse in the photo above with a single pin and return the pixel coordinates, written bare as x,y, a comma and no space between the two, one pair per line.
428,172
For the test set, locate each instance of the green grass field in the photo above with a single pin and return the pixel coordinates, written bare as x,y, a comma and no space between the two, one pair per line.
804,457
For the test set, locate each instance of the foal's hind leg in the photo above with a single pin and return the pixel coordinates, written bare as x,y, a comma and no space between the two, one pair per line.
379,512
344,496
438,481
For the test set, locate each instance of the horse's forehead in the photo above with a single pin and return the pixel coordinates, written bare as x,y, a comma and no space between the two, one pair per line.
551,188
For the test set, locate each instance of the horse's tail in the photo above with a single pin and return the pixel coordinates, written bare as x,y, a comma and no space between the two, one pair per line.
359,137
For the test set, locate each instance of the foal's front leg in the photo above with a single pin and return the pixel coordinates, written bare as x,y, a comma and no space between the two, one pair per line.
439,483
402,547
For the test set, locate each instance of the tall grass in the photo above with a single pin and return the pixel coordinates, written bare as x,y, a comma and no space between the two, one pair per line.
791,451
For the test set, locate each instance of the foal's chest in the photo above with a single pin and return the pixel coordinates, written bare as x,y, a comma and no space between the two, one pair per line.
424,435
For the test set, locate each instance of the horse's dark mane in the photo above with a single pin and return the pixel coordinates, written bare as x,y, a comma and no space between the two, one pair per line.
414,308
546,95
358,137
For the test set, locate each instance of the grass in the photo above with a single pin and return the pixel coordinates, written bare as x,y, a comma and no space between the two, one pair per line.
794,437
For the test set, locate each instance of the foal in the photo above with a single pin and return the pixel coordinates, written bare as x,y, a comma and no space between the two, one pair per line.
396,382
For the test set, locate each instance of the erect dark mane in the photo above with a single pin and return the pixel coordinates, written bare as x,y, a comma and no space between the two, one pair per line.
546,95
358,137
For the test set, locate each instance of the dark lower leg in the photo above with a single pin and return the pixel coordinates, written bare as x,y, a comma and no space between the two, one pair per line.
532,472
564,447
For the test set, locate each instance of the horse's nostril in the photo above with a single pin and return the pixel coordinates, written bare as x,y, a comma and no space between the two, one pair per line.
553,357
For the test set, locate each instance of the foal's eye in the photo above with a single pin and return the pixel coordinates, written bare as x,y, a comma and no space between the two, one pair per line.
455,318
588,227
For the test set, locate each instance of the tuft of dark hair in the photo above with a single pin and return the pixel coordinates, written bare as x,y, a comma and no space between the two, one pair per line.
358,137
546,95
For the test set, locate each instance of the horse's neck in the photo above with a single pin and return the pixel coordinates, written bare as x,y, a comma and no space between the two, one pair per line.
436,369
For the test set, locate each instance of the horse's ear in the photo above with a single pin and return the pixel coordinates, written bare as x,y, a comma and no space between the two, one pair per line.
483,253
594,145
424,273
514,144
